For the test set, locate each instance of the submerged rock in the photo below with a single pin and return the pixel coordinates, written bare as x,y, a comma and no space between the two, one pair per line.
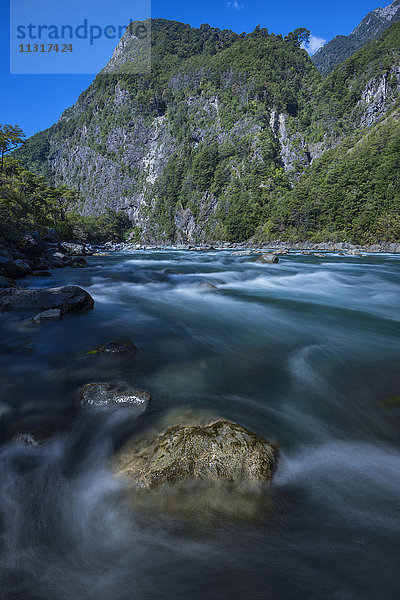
6,282
218,451
78,262
53,314
39,263
207,287
268,258
109,394
34,429
118,347
68,299
41,274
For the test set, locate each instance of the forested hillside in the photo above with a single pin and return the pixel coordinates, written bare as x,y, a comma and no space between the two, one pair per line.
226,134
29,202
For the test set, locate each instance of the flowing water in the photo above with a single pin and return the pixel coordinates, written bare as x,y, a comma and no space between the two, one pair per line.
306,353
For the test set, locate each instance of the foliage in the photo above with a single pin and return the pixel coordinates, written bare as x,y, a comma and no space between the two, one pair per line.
107,227
11,136
28,202
351,194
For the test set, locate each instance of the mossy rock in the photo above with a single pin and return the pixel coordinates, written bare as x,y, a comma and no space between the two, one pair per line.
218,451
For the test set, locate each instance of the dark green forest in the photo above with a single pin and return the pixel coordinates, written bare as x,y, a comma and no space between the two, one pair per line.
28,202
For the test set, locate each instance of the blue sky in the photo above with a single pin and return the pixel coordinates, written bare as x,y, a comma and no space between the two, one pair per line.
36,101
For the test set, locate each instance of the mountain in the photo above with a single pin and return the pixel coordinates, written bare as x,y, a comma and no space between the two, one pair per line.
218,138
342,46
352,192
182,149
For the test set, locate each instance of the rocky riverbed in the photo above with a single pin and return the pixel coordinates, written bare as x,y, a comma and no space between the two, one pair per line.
37,255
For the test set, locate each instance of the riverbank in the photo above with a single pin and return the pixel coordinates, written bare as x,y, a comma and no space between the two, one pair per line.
38,255
382,248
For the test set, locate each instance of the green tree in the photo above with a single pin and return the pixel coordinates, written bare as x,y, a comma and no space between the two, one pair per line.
298,36
11,137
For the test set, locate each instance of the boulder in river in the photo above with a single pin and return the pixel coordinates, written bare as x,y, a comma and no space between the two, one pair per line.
24,266
77,262
59,261
31,244
109,394
268,258
9,268
215,452
52,236
54,314
39,263
6,282
68,299
73,249
118,347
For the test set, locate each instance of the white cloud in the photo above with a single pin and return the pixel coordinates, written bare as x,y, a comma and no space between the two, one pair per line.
234,4
314,44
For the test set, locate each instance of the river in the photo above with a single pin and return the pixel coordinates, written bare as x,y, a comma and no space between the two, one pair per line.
305,352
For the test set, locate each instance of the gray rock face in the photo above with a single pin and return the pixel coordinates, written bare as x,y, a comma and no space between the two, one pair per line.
53,314
67,299
108,394
378,94
218,451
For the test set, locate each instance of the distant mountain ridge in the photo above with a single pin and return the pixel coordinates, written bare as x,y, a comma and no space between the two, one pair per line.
342,46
